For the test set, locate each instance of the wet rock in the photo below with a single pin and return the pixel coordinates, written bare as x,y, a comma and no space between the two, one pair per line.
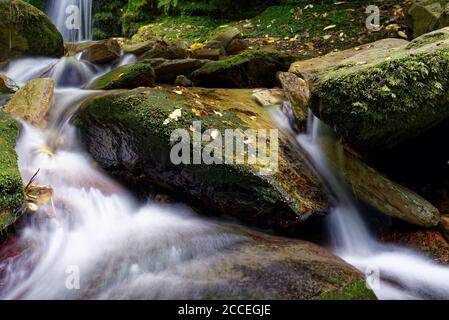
128,134
11,185
298,92
33,101
380,98
167,70
269,97
138,48
162,49
126,77
250,69
25,30
7,85
102,52
237,46
183,81
427,15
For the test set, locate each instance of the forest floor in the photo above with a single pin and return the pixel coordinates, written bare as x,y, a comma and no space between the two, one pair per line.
304,30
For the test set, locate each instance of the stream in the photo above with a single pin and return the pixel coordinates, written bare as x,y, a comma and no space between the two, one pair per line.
126,249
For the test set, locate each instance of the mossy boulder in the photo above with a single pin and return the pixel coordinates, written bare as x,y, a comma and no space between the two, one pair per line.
249,69
427,15
33,101
128,134
126,77
380,99
25,30
11,185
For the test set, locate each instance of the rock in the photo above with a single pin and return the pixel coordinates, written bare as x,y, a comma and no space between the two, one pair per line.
250,69
33,101
25,30
298,92
427,15
429,242
128,134
7,85
102,52
167,70
183,81
144,33
226,35
237,46
126,77
11,185
269,97
381,98
165,50
209,54
444,225
138,48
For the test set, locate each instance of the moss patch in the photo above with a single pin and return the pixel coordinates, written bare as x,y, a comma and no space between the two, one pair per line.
11,185
354,291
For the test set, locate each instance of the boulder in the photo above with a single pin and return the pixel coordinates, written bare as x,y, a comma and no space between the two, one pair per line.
269,97
250,69
444,226
427,15
138,48
380,98
237,46
209,54
11,184
25,30
298,92
183,81
167,70
128,134
7,85
101,52
224,35
33,101
162,49
126,77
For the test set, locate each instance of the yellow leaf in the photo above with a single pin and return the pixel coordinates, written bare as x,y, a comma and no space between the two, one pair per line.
393,27
332,26
402,34
197,46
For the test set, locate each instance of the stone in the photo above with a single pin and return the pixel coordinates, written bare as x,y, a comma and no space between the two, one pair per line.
183,81
167,70
33,101
7,85
298,92
138,48
237,46
427,15
126,77
165,50
209,54
102,52
226,35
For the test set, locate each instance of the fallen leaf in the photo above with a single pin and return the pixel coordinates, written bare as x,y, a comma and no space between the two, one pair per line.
332,26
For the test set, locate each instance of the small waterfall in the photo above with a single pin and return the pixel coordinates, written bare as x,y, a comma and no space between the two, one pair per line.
394,272
73,18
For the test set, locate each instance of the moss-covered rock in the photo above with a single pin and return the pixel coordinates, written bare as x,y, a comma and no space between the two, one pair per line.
126,77
379,100
427,15
25,30
249,69
167,70
128,134
11,185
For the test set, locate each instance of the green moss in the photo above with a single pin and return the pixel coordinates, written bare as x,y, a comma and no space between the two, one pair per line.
355,291
126,77
428,39
11,185
380,105
24,29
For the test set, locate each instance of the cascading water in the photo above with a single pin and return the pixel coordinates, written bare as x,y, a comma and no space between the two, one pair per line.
73,18
403,273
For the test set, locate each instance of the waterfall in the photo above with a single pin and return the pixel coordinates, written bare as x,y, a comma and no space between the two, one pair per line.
73,18
393,272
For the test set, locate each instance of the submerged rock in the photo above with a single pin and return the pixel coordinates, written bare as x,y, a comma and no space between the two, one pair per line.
100,52
126,77
25,30
11,185
33,101
250,69
380,98
427,15
128,134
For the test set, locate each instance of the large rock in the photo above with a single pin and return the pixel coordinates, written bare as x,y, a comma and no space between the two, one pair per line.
128,134
100,52
126,77
168,70
380,98
7,85
138,48
162,49
33,101
11,185
25,30
224,36
298,92
427,15
249,69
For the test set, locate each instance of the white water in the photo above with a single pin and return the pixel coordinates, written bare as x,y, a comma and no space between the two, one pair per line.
403,273
74,24
122,249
